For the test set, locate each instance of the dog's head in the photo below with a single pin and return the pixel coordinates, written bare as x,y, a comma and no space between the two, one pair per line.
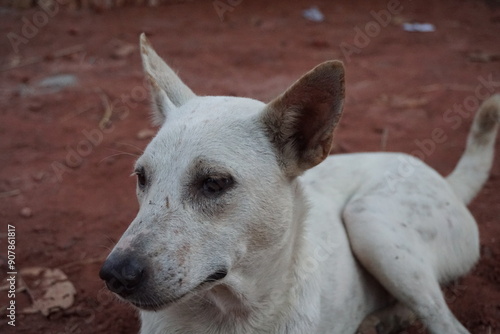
216,184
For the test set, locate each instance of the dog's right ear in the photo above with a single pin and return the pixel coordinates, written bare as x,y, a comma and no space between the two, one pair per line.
300,122
167,89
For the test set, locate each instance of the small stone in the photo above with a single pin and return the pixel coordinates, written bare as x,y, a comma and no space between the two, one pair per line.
39,176
145,134
58,82
123,51
26,212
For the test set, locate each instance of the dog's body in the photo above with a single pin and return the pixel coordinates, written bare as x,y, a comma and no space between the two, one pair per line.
234,238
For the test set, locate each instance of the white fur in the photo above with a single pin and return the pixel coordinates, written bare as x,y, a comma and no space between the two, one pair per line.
315,253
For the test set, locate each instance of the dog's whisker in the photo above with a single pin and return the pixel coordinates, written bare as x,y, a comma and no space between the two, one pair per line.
125,152
133,146
110,240
108,248
117,154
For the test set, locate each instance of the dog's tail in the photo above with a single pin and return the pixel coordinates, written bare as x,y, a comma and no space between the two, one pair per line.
474,166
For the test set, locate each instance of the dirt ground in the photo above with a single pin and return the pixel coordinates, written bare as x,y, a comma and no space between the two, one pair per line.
74,116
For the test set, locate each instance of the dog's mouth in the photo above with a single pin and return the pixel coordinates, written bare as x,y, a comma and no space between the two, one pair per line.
155,304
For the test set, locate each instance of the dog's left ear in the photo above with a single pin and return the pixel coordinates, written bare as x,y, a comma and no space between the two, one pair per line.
300,122
167,89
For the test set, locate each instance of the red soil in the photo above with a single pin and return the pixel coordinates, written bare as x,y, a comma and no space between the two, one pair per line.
74,177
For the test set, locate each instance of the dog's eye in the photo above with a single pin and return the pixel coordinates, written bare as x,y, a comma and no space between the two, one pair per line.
141,177
216,185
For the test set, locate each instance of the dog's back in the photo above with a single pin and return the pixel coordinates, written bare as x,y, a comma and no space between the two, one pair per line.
410,227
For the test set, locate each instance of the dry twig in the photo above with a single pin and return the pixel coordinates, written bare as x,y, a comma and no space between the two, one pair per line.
108,109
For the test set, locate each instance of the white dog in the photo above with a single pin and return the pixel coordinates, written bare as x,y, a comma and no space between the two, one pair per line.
237,233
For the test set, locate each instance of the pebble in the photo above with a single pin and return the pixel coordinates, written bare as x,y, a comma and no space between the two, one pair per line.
26,212
145,134
313,14
123,51
58,82
38,177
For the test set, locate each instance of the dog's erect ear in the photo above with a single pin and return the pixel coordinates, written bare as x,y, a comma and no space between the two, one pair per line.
300,122
167,89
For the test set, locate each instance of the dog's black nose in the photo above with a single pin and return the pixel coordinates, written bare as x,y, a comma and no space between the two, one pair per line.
122,274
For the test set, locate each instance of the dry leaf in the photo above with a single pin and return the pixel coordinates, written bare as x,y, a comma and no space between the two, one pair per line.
50,289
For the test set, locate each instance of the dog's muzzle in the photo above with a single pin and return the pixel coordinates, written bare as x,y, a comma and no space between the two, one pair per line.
130,277
123,274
